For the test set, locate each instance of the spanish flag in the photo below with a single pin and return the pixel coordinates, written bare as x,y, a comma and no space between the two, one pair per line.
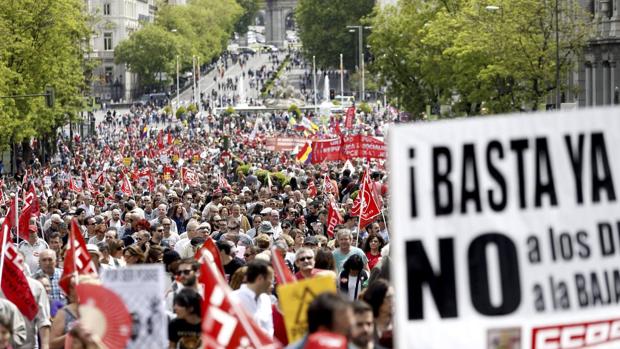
305,153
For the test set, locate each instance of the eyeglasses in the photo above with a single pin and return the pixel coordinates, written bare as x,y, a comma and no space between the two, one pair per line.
160,230
246,255
166,225
303,259
184,272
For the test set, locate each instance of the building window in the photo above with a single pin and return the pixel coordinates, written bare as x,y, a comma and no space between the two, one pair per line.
108,74
107,41
107,9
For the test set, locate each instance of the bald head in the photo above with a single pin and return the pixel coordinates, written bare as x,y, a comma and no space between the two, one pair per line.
47,261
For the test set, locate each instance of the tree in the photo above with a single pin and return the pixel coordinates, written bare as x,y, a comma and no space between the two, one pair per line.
148,52
44,43
323,29
500,59
250,9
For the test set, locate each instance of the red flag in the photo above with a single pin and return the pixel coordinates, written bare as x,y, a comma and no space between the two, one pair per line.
337,129
101,180
77,258
126,187
24,221
333,218
365,204
73,187
169,140
189,177
32,197
224,183
283,274
328,186
209,246
10,218
14,283
350,115
312,191
88,185
160,139
225,323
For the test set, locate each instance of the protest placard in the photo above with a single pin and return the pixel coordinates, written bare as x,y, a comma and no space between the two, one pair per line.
294,300
142,289
507,231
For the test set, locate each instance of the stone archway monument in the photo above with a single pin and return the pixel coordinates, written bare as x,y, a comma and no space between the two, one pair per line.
276,13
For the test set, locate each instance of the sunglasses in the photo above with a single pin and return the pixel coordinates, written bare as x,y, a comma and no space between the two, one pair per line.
246,255
160,230
303,259
184,272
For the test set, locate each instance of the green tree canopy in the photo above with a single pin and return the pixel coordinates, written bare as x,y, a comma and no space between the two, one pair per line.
500,58
201,28
250,9
323,29
43,43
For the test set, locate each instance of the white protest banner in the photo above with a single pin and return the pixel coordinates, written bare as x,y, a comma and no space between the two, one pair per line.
142,289
506,231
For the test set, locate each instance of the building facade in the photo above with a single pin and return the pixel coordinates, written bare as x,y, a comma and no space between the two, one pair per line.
115,20
598,73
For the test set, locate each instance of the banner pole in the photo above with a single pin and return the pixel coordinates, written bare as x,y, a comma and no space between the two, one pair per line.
17,215
3,253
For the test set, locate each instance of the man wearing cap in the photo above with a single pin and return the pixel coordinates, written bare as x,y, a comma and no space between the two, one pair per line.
311,242
266,228
96,256
32,247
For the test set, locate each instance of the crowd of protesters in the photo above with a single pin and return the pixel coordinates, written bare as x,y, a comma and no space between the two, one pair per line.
166,217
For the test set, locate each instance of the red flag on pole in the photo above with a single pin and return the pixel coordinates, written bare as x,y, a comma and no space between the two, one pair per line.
73,187
160,140
189,177
13,281
225,323
88,185
209,246
328,186
350,114
126,187
32,197
333,218
283,274
365,204
77,259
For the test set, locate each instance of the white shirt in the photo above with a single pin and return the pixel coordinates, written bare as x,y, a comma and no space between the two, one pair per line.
180,245
258,307
32,252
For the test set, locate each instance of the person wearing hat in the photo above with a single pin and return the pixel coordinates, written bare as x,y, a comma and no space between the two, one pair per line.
266,228
96,256
32,247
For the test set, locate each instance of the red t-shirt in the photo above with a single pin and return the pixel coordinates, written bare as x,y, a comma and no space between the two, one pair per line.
372,259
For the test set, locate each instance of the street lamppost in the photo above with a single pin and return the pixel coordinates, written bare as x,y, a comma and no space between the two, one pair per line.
558,96
360,45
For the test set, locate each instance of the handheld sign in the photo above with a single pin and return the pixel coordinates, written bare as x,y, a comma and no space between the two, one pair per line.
507,231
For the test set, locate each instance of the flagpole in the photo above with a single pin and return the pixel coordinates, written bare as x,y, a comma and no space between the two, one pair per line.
3,253
17,215
359,222
341,80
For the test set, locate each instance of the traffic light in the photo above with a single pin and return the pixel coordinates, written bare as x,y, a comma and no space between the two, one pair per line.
332,94
49,96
